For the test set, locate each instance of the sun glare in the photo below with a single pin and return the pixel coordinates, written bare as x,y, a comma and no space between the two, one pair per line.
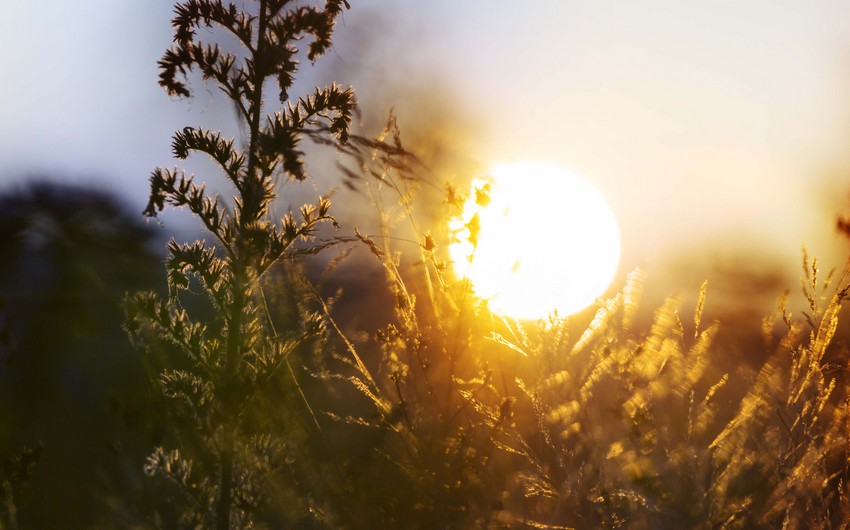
533,239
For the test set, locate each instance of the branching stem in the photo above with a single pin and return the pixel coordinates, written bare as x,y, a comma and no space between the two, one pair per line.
248,212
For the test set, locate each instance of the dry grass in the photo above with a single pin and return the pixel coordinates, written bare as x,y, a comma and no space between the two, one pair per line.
468,420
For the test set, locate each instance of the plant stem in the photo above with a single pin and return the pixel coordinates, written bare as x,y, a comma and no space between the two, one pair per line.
226,454
251,200
226,487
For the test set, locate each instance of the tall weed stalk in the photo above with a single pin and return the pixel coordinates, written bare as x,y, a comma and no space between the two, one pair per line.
222,453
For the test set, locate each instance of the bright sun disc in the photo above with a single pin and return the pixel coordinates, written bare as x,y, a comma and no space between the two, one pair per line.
533,239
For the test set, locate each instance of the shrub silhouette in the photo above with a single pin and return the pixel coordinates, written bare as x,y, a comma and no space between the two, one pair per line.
225,453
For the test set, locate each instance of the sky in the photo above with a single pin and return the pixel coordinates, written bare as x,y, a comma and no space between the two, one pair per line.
717,131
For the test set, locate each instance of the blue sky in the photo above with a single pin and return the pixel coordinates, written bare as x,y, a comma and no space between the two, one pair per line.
79,98
699,121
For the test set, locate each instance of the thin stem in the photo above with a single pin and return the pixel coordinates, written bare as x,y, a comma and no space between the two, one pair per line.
234,340
226,486
250,209
253,184
286,359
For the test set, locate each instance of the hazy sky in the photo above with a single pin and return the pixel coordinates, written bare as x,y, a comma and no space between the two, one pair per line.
722,122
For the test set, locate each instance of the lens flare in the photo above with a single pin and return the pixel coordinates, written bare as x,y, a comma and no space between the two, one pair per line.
533,239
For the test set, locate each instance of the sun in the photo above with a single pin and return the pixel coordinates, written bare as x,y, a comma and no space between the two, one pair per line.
533,239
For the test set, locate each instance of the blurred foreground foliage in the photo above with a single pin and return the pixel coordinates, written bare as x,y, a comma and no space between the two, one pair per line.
74,416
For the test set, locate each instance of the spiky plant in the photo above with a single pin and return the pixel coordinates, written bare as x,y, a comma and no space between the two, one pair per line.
223,361
782,461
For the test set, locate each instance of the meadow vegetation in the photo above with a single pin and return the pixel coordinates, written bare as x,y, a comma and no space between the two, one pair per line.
447,416
479,421
273,412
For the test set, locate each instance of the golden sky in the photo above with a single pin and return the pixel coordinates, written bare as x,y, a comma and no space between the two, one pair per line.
714,129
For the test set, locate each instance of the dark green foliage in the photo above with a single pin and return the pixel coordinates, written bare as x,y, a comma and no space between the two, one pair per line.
68,378
227,449
16,472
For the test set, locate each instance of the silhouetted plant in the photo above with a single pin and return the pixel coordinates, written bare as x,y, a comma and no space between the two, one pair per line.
226,451
417,451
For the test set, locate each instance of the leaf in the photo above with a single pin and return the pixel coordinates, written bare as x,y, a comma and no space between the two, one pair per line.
222,151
